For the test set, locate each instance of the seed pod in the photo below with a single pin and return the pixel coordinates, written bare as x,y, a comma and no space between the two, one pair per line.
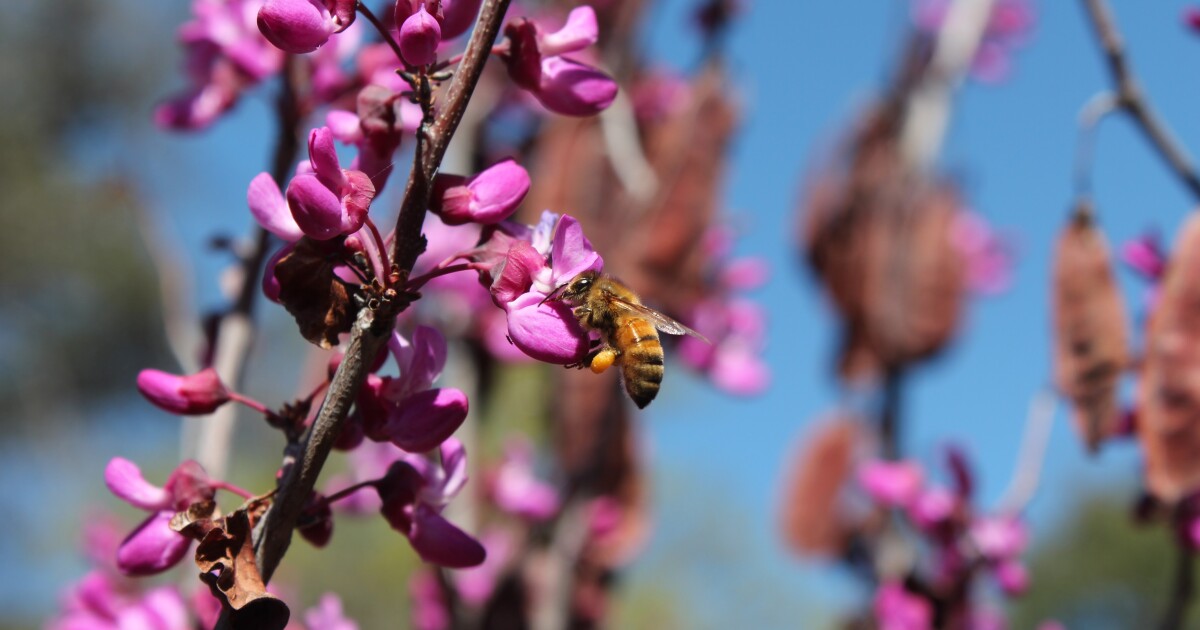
814,522
1091,336
1168,422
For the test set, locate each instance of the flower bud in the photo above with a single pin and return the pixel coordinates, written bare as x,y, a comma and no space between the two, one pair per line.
296,26
574,89
419,38
440,542
457,16
153,547
315,208
891,483
198,394
489,197
425,419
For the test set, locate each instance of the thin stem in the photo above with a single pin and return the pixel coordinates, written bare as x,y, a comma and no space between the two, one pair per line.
1182,590
1090,115
349,490
383,31
1133,100
379,244
419,281
249,402
1027,473
225,485
889,415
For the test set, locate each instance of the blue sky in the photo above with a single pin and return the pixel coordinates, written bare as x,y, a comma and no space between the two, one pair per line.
801,70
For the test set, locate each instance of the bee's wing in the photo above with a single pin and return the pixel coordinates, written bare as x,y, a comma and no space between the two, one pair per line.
660,321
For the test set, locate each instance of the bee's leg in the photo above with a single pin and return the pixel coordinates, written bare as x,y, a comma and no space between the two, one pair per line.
602,358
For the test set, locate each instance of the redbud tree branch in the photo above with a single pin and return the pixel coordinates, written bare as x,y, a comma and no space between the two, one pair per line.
373,327
1133,100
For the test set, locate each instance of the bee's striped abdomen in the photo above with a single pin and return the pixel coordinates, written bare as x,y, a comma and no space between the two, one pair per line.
641,359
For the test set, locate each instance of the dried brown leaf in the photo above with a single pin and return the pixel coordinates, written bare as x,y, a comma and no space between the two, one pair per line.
226,558
1091,346
319,301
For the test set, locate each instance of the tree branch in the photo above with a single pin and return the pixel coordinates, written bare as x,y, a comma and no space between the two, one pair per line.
372,329
1133,100
432,140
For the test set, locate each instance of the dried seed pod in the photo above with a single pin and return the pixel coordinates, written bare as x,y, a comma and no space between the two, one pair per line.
814,521
1169,390
881,240
1091,346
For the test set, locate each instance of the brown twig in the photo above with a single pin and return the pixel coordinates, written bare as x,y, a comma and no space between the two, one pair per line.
1133,100
889,414
372,328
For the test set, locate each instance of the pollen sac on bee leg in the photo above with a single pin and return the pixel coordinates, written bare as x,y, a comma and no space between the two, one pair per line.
603,360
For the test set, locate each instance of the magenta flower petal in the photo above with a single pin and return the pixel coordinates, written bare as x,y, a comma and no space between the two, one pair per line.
1145,256
578,33
153,547
547,331
891,483
515,274
189,484
898,609
572,253
438,541
738,370
1012,577
425,419
316,209
328,615
296,26
420,35
164,608
197,394
345,126
571,88
932,508
998,537
458,16
124,479
428,357
270,209
398,492
357,194
497,191
454,467
322,155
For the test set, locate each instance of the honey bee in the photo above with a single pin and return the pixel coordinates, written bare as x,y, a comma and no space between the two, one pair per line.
629,330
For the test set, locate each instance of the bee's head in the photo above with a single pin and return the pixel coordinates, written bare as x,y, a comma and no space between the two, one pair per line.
573,291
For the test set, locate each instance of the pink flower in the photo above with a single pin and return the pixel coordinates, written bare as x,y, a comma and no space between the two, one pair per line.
328,615
302,26
99,602
225,54
894,484
988,256
414,492
563,85
154,547
325,199
898,609
198,394
420,35
488,197
521,278
476,584
933,508
271,210
516,489
1191,17
429,610
998,538
1145,255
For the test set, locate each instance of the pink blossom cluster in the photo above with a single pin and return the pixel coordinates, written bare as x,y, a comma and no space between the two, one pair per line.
960,538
